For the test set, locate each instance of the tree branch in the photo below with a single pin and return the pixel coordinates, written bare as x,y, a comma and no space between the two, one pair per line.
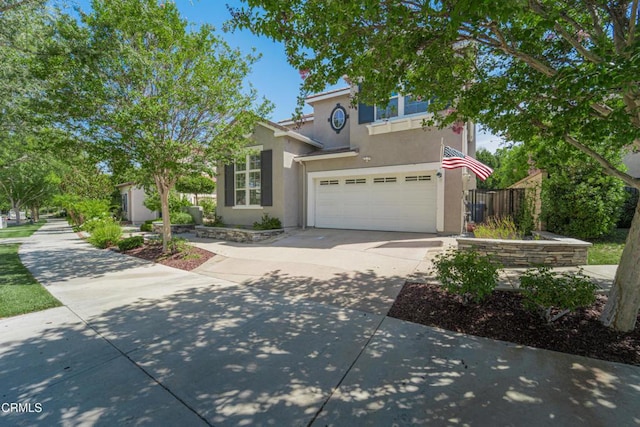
8,6
607,166
528,59
539,9
597,26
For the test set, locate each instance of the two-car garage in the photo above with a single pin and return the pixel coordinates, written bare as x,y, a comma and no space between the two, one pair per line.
392,201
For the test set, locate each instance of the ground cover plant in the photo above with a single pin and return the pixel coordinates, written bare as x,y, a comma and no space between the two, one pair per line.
19,292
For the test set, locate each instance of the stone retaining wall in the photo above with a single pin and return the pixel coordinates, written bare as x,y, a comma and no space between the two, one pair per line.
550,250
175,228
236,234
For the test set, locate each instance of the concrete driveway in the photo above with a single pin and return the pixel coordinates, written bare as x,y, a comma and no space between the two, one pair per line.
361,270
138,343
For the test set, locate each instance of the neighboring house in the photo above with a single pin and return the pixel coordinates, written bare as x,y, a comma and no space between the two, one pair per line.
362,168
132,198
632,161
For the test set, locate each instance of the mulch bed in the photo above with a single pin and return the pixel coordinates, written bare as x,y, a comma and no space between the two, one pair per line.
501,316
187,260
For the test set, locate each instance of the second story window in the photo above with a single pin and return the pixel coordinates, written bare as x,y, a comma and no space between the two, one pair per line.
400,106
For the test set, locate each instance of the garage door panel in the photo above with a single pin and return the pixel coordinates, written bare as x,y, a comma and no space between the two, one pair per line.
396,202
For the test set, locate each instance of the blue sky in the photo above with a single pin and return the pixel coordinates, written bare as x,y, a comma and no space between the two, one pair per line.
272,76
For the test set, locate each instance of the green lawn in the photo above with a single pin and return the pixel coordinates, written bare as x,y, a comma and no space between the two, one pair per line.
19,292
22,230
607,250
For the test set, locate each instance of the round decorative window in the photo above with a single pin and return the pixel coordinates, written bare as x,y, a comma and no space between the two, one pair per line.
338,118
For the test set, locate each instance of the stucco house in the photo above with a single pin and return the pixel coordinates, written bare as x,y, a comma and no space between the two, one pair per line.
132,203
366,168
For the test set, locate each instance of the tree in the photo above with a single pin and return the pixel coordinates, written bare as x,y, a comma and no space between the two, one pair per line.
493,161
195,184
564,71
150,92
29,183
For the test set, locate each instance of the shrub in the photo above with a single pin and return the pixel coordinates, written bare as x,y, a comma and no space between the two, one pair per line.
80,210
581,202
267,223
180,218
545,292
497,228
147,225
105,235
90,225
130,243
208,208
466,273
176,203
628,208
215,222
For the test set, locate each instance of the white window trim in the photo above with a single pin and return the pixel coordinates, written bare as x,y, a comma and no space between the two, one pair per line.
401,106
246,172
248,207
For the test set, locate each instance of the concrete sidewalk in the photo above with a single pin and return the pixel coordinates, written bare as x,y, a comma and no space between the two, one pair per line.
138,343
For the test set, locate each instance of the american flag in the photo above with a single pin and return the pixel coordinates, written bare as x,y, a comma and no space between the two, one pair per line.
452,159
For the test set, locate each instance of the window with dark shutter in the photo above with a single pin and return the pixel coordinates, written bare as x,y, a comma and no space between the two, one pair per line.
266,178
366,113
229,177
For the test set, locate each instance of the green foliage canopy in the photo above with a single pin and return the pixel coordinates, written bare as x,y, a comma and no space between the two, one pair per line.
149,91
562,70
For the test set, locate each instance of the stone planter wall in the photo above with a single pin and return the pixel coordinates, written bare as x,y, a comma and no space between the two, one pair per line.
175,228
550,250
236,234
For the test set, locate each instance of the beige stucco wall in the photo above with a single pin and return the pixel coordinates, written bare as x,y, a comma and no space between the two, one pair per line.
322,130
286,176
304,128
136,212
404,147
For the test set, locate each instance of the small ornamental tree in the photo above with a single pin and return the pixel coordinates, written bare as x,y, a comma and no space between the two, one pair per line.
148,90
195,184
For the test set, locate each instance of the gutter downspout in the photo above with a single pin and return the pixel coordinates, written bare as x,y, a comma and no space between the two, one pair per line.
304,195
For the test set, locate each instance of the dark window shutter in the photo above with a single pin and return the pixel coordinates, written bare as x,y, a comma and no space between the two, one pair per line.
229,184
365,113
266,178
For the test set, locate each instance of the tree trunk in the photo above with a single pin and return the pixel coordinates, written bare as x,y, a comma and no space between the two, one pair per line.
163,190
623,304
16,209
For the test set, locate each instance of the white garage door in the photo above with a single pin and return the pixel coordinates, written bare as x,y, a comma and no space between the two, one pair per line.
393,202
